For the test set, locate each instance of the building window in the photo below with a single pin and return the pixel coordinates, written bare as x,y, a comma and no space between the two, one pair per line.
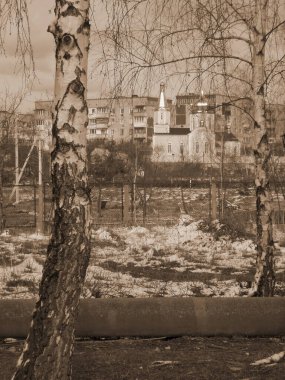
169,148
102,110
122,132
92,121
122,111
41,112
197,147
139,119
206,147
181,148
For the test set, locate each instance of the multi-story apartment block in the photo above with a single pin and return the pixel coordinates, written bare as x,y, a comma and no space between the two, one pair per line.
21,124
190,107
122,119
231,117
43,120
26,126
138,118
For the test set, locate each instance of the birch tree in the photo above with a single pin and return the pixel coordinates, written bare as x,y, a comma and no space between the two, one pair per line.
15,21
49,345
9,106
233,47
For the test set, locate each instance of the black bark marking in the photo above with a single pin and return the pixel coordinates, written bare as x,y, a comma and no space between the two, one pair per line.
256,125
78,72
67,39
66,56
71,113
69,128
77,87
264,140
261,90
84,28
71,11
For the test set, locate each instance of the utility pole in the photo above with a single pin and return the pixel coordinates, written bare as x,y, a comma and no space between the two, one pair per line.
135,184
221,208
16,161
136,163
40,219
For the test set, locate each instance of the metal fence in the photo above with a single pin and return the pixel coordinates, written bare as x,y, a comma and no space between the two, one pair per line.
147,203
150,203
19,206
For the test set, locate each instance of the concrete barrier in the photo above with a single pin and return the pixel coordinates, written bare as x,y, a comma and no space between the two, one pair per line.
160,317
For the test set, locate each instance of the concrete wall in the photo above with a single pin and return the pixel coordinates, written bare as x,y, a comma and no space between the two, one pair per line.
195,316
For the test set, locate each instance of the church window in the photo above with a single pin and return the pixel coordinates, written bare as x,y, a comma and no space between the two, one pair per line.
206,147
197,147
169,148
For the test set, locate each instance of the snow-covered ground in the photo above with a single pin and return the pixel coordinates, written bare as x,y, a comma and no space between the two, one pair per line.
181,260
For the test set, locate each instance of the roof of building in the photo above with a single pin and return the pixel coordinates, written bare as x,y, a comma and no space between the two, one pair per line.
176,131
228,136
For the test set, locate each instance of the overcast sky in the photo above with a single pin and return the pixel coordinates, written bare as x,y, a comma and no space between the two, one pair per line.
43,47
41,13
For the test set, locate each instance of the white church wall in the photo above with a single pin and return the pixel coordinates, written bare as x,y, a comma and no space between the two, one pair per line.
201,145
170,148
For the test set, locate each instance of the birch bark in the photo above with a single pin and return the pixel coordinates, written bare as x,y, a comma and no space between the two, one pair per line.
48,348
264,280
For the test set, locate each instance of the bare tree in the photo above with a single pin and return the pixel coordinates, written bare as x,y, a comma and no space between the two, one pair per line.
232,47
49,345
14,17
8,114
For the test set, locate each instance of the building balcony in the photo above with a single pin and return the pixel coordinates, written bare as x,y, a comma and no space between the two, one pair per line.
98,126
139,113
139,110
140,124
97,134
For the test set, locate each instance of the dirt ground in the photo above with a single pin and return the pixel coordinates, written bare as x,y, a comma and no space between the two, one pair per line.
180,358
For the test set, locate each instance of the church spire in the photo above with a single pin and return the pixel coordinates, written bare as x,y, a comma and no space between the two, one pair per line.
162,96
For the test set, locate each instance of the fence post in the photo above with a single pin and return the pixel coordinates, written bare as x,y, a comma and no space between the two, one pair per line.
213,201
126,203
99,205
40,213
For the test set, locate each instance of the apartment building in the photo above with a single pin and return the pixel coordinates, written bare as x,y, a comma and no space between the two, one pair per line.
137,119
122,119
21,124
43,120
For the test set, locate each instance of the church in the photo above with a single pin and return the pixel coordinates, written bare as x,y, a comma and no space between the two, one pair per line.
193,141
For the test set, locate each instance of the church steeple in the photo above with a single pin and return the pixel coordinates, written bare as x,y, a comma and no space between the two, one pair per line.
202,103
162,115
162,96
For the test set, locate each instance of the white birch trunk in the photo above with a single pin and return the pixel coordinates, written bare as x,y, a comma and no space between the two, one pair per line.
49,346
264,280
